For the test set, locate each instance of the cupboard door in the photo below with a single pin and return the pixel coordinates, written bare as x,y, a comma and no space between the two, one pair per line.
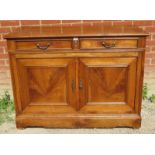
107,85
46,85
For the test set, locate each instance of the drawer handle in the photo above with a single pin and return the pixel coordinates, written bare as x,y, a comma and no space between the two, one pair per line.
108,45
81,84
73,85
43,47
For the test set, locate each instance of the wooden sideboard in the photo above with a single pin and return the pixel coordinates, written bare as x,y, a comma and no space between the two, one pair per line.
77,77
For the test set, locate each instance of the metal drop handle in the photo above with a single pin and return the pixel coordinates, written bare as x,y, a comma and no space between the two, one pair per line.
43,47
81,84
108,45
73,85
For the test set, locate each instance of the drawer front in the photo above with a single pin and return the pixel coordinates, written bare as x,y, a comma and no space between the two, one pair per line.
108,43
43,45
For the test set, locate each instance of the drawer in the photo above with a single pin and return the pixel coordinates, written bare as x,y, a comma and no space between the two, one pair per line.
43,44
108,43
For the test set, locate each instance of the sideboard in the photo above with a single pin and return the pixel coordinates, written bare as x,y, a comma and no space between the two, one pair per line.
78,76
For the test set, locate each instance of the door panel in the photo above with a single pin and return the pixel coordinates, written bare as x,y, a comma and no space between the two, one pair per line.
108,83
47,85
47,82
86,85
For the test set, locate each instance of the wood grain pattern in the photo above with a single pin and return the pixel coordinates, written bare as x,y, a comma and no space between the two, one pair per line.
47,85
54,44
98,43
73,121
76,30
46,82
108,81
76,82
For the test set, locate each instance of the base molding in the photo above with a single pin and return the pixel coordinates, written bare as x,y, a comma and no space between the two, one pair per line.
79,121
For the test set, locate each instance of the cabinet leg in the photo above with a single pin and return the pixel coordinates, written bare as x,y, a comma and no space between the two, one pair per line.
20,127
137,124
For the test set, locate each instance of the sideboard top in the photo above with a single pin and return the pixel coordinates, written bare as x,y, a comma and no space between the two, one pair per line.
97,30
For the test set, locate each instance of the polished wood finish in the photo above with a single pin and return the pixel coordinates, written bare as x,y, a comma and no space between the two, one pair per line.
73,77
75,31
107,82
39,44
108,43
46,81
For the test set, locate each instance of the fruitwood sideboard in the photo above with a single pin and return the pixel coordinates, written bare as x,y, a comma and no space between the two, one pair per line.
77,77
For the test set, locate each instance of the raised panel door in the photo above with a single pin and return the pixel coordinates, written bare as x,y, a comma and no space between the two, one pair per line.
46,85
107,85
